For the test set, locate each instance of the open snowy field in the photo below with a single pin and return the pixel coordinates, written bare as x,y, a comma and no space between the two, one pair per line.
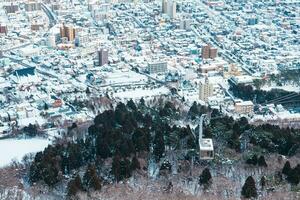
15,149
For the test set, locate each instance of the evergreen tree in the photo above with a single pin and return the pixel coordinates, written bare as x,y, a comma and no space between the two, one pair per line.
263,182
125,168
140,140
262,162
46,107
249,189
142,102
31,130
294,175
135,164
116,167
87,91
131,105
193,111
90,178
286,168
205,177
159,145
147,120
74,186
252,160
102,148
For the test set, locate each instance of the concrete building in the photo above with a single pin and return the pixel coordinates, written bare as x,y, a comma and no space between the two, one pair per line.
186,24
3,29
209,52
157,67
205,52
213,53
82,39
67,31
102,56
36,26
205,90
52,40
172,9
211,67
12,8
33,6
164,6
244,107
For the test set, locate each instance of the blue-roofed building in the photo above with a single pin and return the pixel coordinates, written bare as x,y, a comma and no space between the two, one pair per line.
30,71
25,75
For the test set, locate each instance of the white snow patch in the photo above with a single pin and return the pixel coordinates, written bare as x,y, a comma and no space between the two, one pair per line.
16,149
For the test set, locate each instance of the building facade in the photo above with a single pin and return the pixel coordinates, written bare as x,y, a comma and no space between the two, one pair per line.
205,90
244,107
102,56
67,31
157,67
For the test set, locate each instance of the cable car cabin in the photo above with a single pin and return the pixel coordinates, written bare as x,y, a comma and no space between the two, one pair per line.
206,149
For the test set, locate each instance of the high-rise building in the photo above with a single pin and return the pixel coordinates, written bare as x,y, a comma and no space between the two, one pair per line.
3,29
205,52
52,40
67,31
209,52
205,90
164,6
102,56
32,6
157,67
186,24
171,8
213,52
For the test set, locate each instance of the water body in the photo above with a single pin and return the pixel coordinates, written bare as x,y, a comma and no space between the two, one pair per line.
16,149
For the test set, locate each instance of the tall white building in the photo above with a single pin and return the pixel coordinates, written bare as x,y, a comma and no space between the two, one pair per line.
172,9
169,8
206,90
164,6
52,40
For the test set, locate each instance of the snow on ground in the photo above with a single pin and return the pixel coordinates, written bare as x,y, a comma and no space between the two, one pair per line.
124,78
31,120
140,92
16,149
290,88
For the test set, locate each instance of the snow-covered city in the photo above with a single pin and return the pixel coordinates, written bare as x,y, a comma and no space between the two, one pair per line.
149,99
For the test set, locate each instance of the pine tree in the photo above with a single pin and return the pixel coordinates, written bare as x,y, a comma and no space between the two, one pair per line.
286,168
130,104
159,145
87,91
262,162
125,168
102,148
294,175
142,102
252,160
263,182
205,177
116,167
46,107
135,164
194,110
74,186
249,190
90,178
